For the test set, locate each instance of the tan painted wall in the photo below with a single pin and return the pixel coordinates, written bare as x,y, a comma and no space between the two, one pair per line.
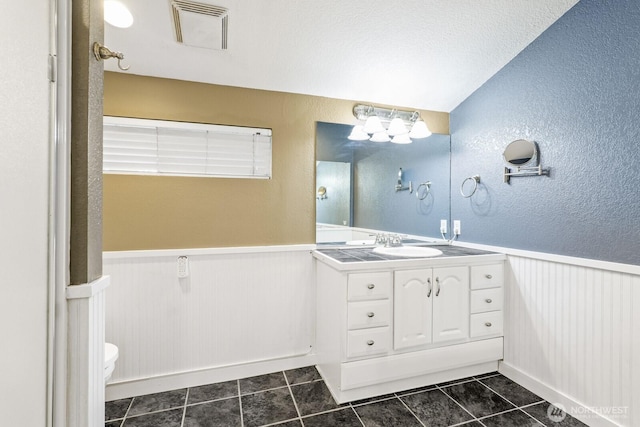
145,212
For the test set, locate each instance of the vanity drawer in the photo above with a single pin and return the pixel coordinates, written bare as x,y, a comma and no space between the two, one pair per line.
365,342
489,323
487,276
367,286
368,314
486,300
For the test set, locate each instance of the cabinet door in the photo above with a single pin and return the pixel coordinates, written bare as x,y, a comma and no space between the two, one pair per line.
450,303
412,296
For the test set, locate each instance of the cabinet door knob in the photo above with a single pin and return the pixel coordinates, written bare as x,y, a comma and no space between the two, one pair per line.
371,286
488,324
430,288
488,276
489,300
438,286
370,342
370,314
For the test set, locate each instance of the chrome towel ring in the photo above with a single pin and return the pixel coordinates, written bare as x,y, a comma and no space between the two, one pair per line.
476,181
425,193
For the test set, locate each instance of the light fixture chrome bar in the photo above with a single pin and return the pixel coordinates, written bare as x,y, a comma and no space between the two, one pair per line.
362,112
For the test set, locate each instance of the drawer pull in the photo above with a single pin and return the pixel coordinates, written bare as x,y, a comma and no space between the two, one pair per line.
371,286
430,288
370,314
438,284
488,324
370,342
488,300
488,276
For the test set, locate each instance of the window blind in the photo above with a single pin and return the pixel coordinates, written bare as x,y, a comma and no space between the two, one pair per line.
155,147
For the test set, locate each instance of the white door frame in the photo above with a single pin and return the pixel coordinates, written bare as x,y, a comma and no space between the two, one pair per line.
59,221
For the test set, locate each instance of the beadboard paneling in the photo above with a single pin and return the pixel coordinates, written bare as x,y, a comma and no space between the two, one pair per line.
573,329
85,349
234,308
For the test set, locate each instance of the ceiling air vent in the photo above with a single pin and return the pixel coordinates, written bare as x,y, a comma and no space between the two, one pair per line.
200,24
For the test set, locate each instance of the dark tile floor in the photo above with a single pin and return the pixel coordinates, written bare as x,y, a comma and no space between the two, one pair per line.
299,398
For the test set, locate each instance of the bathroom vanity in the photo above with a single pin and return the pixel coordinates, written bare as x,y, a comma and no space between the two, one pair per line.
387,323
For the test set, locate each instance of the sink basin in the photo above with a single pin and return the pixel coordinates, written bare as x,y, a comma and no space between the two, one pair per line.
361,242
408,251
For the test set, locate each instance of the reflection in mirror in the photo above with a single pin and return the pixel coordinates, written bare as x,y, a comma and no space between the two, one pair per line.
520,152
375,205
333,199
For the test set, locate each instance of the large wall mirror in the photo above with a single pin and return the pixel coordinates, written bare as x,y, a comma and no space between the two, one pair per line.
358,179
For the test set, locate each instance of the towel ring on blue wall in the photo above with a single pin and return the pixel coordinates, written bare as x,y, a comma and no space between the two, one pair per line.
476,181
425,193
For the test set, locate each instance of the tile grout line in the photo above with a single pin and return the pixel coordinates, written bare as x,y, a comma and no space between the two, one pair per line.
214,400
410,411
126,414
295,404
517,407
480,381
506,412
173,408
481,377
532,417
240,403
457,403
357,415
184,409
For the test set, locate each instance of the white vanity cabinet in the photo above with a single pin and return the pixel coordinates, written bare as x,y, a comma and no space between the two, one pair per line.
387,326
430,306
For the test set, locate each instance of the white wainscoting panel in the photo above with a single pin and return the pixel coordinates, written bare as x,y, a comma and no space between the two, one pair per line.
234,308
85,349
576,330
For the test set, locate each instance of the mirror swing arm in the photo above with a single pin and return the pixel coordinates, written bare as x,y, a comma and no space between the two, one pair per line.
524,171
522,155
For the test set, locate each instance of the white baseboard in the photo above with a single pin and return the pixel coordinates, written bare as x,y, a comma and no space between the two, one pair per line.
121,390
572,407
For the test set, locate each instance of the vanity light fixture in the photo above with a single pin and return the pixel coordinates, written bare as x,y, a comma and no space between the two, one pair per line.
384,124
117,14
358,134
373,124
419,130
397,127
379,137
401,139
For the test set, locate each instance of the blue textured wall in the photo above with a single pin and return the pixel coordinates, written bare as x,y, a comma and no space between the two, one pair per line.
576,91
379,206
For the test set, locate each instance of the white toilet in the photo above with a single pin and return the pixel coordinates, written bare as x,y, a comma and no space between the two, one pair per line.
110,357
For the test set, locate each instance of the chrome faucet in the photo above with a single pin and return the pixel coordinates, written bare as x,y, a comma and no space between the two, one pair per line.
399,186
388,240
394,241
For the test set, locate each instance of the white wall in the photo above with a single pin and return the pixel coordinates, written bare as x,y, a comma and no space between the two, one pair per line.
24,138
572,335
239,307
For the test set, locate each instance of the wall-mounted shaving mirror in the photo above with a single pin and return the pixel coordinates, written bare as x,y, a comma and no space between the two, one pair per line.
322,192
521,152
523,156
375,205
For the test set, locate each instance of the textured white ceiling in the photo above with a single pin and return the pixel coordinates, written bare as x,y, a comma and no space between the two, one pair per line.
426,54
